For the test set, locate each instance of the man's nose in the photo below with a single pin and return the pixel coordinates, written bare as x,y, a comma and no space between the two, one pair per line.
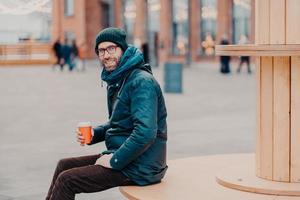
106,54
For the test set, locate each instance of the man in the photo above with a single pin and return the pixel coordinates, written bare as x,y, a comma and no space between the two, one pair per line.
244,59
224,60
57,48
135,135
67,53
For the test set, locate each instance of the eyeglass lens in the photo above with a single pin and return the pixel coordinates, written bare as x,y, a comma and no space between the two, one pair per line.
109,49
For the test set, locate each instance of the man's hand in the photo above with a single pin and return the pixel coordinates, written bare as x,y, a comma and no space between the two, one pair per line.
104,160
80,137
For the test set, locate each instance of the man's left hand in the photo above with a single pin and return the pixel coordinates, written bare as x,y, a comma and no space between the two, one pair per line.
104,160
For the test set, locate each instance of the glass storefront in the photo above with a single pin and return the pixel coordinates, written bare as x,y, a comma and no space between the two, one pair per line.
208,26
241,20
238,30
180,27
129,19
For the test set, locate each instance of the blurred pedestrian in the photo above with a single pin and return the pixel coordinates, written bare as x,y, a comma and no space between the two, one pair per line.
74,54
224,60
57,48
66,52
156,47
145,50
82,56
244,59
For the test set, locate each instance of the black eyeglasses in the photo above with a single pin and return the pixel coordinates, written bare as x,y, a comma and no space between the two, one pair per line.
110,49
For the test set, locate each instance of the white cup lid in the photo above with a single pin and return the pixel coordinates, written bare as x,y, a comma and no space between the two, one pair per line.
84,124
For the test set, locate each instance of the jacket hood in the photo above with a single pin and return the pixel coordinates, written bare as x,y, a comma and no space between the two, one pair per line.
131,59
146,67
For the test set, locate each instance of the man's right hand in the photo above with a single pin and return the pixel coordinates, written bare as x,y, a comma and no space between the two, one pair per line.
80,137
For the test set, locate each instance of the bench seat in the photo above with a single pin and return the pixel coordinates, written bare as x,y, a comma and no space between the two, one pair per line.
195,178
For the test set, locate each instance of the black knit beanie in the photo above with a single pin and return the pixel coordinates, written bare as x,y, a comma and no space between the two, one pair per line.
111,34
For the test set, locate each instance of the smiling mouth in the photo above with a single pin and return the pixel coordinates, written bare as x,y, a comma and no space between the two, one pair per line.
110,64
109,61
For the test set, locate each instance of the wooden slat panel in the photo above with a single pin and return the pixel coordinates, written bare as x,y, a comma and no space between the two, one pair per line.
295,119
262,22
259,50
261,47
281,119
277,22
258,124
292,22
266,118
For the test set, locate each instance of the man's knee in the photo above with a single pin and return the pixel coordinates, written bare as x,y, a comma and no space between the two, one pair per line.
63,164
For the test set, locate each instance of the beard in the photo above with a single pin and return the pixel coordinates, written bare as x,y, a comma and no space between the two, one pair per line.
110,64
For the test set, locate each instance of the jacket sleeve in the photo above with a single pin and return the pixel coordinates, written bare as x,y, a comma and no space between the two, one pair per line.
99,133
143,108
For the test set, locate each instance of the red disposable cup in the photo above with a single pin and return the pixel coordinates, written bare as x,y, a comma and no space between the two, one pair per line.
85,128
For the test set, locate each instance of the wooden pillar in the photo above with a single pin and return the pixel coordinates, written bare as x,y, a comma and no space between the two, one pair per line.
278,136
292,37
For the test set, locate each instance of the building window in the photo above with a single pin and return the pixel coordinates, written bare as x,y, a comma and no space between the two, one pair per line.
208,24
69,7
180,27
241,19
129,19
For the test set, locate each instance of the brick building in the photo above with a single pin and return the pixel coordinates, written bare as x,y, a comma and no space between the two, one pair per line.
182,30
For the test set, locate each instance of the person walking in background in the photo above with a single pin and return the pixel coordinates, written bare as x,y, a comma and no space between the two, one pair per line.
74,54
66,52
145,50
57,48
224,60
135,134
244,59
81,56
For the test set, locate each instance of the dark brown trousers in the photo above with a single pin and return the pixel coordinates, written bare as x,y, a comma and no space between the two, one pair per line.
80,174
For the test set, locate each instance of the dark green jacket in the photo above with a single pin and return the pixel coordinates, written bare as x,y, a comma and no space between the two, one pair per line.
136,133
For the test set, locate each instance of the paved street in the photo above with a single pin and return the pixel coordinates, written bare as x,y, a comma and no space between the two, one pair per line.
40,108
